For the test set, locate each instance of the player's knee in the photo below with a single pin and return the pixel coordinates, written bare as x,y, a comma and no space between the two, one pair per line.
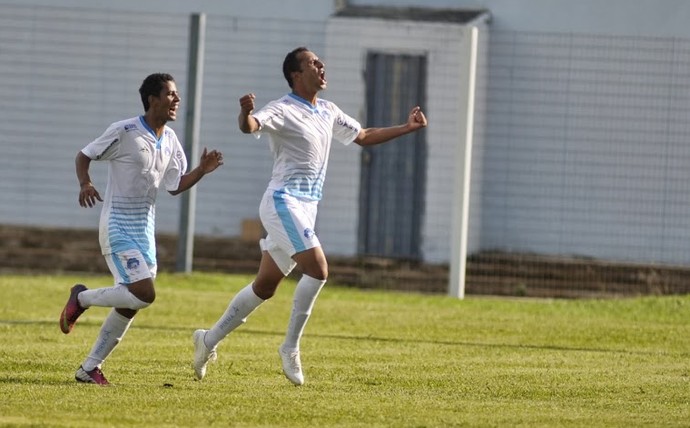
318,272
142,294
136,303
264,290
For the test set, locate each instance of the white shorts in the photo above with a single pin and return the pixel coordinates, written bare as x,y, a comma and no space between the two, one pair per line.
289,223
129,266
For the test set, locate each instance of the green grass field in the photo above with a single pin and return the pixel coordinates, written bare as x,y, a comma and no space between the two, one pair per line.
370,359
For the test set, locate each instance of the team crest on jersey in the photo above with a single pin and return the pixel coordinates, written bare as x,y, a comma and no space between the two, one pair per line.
130,127
308,233
132,263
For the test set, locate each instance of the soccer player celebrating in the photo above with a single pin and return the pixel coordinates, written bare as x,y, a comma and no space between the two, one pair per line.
142,153
300,126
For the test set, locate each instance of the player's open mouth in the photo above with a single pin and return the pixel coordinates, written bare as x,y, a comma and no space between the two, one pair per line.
322,76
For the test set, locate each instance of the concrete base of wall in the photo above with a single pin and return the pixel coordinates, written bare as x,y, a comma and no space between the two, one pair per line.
34,250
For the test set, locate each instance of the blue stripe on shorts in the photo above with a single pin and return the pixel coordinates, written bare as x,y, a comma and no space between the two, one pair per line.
288,224
120,269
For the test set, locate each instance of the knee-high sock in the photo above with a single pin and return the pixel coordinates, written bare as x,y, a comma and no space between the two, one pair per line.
307,290
117,296
243,304
112,331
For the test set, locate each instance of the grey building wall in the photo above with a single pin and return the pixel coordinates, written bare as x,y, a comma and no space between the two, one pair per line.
67,73
583,148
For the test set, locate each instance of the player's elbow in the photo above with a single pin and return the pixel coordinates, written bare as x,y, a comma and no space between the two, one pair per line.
360,139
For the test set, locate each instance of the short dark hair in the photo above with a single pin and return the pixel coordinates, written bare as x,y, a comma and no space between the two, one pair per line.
153,85
291,63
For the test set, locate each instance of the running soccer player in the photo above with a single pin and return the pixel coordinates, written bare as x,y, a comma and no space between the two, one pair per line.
300,127
143,153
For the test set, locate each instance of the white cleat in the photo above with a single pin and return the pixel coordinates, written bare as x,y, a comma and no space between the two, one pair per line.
292,365
202,355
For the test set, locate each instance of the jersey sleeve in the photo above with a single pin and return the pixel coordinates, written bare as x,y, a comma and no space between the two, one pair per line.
106,146
176,167
345,128
271,118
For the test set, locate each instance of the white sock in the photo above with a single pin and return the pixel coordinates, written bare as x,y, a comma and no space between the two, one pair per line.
117,296
112,331
307,290
243,304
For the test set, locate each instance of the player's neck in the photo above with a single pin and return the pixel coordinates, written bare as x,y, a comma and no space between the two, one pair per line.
156,124
306,95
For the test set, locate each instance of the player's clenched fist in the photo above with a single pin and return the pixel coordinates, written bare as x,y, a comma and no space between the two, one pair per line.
247,103
247,123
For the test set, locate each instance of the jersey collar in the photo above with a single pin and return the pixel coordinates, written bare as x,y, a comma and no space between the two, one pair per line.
297,98
152,132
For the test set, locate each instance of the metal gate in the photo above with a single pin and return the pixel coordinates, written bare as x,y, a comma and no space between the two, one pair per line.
393,174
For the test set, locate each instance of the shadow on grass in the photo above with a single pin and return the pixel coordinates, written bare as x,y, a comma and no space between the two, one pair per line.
371,338
38,381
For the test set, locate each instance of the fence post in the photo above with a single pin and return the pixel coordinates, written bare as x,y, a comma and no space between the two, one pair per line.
185,242
463,169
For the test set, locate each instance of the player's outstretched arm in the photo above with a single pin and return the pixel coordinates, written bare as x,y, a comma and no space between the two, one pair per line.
371,136
208,163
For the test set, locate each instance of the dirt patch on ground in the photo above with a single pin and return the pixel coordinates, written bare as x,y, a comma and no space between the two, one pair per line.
50,250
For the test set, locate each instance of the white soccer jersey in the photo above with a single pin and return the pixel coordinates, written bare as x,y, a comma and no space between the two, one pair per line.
301,137
138,163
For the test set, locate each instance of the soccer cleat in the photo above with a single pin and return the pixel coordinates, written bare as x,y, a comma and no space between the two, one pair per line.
94,376
72,309
292,365
202,355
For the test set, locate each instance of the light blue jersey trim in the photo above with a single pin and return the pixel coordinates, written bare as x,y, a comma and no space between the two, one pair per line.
304,184
288,224
303,101
131,226
148,128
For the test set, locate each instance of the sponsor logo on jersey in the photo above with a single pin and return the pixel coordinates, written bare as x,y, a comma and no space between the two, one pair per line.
130,127
308,233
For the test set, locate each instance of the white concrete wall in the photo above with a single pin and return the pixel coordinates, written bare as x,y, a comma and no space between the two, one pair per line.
348,41
263,9
652,18
584,149
64,77
67,73
587,147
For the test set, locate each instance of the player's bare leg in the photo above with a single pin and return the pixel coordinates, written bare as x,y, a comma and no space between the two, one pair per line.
240,307
314,267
